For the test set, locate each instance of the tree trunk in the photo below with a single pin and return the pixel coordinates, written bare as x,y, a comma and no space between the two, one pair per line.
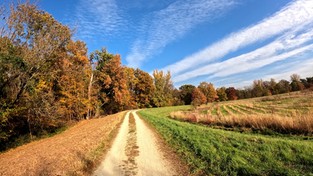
29,126
89,96
98,111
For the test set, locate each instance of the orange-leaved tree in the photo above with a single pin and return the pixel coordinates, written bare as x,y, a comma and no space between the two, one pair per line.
208,90
111,82
198,97
141,87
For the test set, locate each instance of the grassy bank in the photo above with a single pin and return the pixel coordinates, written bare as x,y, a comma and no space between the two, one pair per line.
217,152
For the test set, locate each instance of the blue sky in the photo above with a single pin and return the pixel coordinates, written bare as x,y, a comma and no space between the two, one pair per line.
226,42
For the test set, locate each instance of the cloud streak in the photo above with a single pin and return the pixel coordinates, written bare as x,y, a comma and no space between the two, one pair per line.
99,18
287,46
303,68
295,15
171,23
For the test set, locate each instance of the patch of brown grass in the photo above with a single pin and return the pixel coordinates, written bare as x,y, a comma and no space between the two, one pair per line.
300,124
192,117
285,113
73,152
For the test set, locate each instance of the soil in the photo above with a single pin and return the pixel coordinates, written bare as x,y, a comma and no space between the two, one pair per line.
73,152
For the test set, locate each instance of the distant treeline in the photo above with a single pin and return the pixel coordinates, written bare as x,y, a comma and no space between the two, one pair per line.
205,92
47,79
264,88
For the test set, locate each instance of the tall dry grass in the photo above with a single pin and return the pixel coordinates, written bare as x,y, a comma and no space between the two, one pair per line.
300,124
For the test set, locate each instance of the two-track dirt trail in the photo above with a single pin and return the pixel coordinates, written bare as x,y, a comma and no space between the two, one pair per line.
135,151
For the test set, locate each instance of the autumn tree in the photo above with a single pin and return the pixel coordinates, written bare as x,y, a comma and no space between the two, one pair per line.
73,92
271,86
141,87
131,85
113,94
221,93
258,89
186,93
177,99
231,93
39,68
163,89
208,90
283,86
296,83
42,43
198,97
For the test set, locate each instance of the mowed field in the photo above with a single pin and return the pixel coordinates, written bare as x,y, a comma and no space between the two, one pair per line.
287,113
210,143
285,105
76,151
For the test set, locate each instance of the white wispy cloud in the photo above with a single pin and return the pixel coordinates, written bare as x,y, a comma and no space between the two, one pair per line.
97,18
304,69
254,64
289,45
171,23
295,15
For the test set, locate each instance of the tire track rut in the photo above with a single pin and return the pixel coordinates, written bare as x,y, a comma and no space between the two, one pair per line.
129,166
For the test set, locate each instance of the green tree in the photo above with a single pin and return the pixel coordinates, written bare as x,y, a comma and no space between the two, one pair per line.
221,93
309,80
260,88
12,70
271,86
283,86
186,93
296,83
307,83
163,95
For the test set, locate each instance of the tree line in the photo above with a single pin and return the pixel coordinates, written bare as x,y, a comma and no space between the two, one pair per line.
47,79
205,92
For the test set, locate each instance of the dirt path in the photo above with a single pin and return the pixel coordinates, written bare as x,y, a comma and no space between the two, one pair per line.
135,152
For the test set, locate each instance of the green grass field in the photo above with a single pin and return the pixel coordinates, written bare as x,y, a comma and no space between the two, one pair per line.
209,151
